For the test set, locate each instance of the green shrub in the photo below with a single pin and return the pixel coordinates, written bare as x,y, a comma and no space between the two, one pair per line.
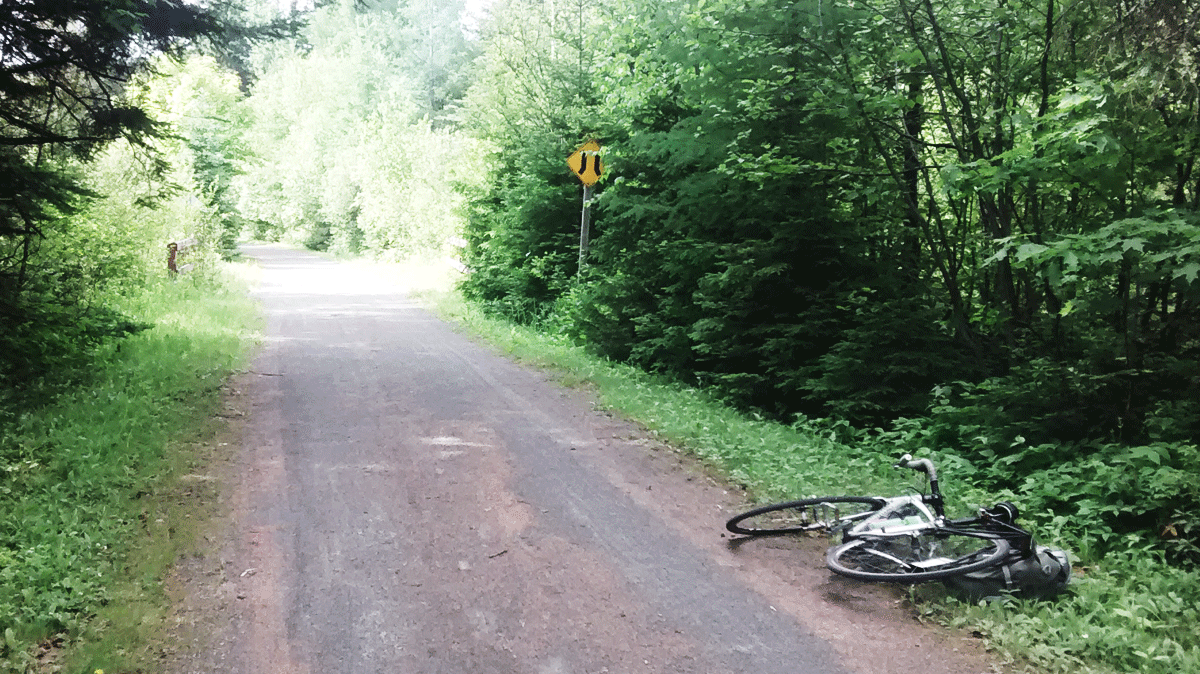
888,358
74,469
47,344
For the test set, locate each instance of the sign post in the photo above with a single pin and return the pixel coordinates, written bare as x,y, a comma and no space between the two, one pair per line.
586,164
585,226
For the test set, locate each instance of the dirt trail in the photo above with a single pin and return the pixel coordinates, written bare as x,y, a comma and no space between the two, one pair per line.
403,500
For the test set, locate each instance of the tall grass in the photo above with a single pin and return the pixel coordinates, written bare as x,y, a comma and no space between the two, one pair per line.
1126,612
80,527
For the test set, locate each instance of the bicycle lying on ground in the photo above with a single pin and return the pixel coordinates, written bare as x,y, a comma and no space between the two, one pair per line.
906,539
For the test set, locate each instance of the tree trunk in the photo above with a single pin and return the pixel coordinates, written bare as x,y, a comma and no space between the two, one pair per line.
911,177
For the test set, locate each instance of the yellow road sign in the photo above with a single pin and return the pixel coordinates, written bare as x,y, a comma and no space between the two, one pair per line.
586,164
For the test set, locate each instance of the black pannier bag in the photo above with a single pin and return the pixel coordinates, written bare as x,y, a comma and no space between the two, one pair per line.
1040,574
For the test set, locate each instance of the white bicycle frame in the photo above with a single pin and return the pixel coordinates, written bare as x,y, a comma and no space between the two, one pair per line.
897,518
900,516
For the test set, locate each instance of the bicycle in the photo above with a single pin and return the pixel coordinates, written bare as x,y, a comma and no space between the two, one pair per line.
905,539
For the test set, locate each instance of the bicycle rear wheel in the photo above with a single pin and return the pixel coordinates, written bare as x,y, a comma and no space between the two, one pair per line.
810,514
918,557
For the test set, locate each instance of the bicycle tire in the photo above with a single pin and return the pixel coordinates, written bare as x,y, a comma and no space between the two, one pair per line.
810,514
915,558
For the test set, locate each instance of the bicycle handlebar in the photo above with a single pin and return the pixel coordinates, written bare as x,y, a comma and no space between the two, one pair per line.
925,465
934,498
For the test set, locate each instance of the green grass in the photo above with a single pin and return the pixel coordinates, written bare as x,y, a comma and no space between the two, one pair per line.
1127,612
89,515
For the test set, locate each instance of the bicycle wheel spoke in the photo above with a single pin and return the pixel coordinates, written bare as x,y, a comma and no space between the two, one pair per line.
913,558
874,558
816,514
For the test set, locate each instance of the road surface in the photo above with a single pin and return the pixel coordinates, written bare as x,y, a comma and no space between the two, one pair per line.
407,501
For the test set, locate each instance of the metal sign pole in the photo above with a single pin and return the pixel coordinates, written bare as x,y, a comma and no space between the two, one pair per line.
585,225
588,174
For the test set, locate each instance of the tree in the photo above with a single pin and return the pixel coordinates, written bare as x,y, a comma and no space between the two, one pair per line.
63,74
794,190
354,152
439,56
65,66
531,104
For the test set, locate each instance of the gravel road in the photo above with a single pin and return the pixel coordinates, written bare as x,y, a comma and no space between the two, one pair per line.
405,500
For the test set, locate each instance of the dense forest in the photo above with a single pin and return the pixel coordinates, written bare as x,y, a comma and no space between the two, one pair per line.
979,215
973,219
971,224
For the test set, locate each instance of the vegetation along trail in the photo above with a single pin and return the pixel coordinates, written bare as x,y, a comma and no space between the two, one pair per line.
406,501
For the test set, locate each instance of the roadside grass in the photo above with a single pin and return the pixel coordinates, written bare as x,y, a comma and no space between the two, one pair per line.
1126,612
97,492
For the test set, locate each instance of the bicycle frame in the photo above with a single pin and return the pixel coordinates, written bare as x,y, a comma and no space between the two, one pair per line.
900,515
899,538
925,513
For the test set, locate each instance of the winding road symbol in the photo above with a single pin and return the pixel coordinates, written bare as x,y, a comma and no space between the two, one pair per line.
586,164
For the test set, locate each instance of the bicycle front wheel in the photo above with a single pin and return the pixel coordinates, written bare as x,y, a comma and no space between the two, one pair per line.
810,514
918,557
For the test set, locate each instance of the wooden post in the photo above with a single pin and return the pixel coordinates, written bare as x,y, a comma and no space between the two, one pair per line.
585,225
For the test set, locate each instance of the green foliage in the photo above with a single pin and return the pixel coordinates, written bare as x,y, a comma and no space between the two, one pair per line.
852,380
1107,498
72,470
861,212
1149,311
345,155
719,254
99,246
530,105
48,345
520,264
1133,614
203,105
64,98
